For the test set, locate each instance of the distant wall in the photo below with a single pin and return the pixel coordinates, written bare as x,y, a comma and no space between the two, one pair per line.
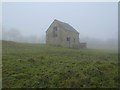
82,45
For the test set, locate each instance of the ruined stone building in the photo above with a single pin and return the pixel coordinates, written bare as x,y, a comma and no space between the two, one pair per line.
62,34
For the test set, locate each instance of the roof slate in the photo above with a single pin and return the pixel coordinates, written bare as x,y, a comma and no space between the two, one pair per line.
66,26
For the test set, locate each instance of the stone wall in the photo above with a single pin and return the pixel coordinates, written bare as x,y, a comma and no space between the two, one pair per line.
49,35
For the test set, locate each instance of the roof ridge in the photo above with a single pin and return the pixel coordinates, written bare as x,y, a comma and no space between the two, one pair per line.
60,21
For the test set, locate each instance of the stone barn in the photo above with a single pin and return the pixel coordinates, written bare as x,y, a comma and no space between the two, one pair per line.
62,34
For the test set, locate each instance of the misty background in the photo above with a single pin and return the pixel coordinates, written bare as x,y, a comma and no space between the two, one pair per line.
27,22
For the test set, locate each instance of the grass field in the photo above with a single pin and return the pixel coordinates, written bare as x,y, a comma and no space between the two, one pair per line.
39,66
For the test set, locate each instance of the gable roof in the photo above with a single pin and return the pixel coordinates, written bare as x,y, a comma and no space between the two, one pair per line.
66,26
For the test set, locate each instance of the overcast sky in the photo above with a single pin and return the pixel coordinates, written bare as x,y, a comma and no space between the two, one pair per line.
91,19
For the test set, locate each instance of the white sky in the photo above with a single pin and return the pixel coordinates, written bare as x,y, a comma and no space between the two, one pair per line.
91,19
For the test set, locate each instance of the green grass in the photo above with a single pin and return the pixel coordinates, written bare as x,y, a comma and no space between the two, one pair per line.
39,66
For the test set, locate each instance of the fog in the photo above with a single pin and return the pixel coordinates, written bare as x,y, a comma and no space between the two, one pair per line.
17,36
96,22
